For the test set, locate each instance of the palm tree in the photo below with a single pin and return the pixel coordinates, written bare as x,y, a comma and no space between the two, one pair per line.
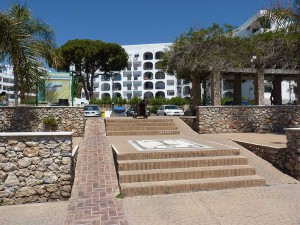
26,43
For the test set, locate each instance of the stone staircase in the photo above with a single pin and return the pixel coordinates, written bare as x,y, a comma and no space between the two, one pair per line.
150,173
138,127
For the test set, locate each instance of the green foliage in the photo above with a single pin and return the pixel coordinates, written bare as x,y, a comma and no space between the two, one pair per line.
1,201
28,101
224,100
178,101
120,196
120,101
91,56
50,122
27,43
154,109
135,100
157,101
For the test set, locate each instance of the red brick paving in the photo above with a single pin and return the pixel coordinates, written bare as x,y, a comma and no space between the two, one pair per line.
93,199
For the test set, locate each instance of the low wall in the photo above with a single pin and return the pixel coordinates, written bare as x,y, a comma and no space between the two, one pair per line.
35,167
191,121
293,153
276,156
239,119
30,118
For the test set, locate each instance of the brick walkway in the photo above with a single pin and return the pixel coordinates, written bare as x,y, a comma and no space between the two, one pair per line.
93,199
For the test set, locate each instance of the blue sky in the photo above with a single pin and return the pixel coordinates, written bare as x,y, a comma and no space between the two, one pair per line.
136,21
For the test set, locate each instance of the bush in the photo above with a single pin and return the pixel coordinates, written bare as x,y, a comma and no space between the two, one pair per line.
135,100
178,101
50,122
154,109
28,101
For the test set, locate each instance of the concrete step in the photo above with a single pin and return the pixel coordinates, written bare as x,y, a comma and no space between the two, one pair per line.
176,154
179,186
146,124
185,173
137,121
150,164
142,128
142,133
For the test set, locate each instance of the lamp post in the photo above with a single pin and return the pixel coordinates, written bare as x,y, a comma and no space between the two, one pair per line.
72,71
112,75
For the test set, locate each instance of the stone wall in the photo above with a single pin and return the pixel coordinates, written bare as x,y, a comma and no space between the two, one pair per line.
238,119
293,151
276,156
28,118
35,167
191,121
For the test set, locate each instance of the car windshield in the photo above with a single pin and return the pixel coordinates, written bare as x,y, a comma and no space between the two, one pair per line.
171,107
91,108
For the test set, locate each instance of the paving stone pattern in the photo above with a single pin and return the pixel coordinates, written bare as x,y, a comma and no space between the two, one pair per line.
275,205
93,199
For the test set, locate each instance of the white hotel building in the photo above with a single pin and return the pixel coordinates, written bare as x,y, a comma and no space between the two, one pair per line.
141,78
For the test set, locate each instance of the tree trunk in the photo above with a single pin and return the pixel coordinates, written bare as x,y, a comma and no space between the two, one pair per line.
196,90
16,84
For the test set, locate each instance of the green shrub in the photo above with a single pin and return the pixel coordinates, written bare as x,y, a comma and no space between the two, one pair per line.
50,122
178,101
154,109
135,100
28,101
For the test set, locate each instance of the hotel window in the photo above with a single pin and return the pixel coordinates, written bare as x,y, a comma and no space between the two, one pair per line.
160,75
148,56
170,92
148,66
159,55
170,82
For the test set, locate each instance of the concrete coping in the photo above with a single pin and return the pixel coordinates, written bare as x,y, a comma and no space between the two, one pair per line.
248,106
34,134
292,129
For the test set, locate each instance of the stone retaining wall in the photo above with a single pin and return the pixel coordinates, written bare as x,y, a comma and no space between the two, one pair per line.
293,153
276,156
239,119
191,121
35,167
28,118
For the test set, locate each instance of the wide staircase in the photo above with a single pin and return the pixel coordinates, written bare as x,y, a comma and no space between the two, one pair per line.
174,171
137,127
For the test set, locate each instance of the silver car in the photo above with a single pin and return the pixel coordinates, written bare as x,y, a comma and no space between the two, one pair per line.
169,110
91,110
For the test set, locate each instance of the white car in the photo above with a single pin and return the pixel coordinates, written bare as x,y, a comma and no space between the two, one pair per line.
91,110
169,110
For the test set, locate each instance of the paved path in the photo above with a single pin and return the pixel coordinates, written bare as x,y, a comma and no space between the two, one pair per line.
51,213
93,200
275,205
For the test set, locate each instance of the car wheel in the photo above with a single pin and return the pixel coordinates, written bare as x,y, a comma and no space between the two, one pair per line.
165,114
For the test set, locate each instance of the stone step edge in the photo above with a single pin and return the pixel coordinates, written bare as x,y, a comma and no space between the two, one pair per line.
181,161
111,121
179,186
189,153
142,133
141,128
185,170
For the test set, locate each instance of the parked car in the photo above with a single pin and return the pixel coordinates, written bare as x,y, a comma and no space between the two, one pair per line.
133,109
231,102
91,110
169,110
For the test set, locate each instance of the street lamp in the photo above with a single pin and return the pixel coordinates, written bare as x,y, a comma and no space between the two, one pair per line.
112,75
72,71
